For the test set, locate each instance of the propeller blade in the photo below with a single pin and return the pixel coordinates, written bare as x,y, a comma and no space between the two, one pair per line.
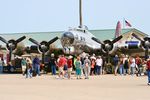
20,39
97,40
117,39
53,40
134,35
3,40
34,41
147,38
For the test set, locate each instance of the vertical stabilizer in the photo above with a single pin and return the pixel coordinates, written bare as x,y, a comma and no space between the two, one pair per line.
118,29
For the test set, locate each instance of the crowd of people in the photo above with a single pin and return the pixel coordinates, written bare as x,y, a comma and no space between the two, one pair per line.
83,66
30,68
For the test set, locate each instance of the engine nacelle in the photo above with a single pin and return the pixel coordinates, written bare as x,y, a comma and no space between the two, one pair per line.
132,44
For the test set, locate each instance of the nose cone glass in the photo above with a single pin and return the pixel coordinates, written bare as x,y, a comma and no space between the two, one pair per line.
68,38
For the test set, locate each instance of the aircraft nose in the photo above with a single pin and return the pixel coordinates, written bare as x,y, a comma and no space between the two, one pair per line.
68,38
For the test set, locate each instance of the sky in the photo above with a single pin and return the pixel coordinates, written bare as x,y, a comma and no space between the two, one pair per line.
18,16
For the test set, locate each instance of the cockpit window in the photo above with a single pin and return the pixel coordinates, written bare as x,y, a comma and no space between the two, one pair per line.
67,38
82,30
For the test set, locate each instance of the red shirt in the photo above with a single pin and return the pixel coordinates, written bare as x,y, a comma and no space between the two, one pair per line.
62,61
93,64
138,61
148,64
69,62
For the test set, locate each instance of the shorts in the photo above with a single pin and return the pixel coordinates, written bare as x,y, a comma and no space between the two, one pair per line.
61,70
69,70
78,71
23,68
65,67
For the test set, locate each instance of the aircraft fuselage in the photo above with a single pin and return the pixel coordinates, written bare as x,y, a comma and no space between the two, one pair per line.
78,40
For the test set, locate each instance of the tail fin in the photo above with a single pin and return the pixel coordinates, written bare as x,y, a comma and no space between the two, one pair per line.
118,29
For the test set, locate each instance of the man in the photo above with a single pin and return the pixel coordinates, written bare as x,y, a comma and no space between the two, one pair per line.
70,65
61,63
36,64
126,65
1,65
148,70
115,60
87,64
138,61
53,64
99,63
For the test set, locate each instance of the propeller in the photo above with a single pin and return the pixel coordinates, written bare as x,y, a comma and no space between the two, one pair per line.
44,45
145,42
20,39
97,40
3,40
117,39
53,40
137,37
12,44
34,41
107,45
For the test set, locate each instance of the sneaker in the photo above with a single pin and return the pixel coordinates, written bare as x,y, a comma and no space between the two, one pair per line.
86,78
148,83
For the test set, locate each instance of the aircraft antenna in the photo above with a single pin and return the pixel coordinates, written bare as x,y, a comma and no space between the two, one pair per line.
80,12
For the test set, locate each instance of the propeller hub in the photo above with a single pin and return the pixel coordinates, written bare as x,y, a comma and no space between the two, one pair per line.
43,47
147,43
10,44
107,46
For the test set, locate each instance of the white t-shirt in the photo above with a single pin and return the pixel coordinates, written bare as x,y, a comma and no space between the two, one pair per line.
99,62
133,63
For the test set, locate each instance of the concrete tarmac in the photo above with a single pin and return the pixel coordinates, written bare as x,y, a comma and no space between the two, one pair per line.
47,87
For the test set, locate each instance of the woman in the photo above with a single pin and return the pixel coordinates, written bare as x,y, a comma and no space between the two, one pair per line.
121,65
29,68
78,67
132,65
92,67
24,66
